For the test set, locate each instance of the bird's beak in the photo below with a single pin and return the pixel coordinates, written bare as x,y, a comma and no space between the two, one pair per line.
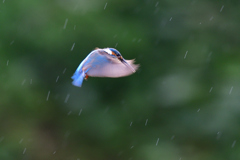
127,64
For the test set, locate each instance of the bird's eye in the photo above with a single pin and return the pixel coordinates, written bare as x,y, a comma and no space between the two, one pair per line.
113,53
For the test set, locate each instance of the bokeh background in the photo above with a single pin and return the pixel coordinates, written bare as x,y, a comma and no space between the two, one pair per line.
182,104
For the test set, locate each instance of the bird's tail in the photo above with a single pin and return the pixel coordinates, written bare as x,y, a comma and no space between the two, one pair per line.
78,78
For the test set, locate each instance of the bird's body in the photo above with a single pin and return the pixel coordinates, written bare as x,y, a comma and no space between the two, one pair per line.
107,62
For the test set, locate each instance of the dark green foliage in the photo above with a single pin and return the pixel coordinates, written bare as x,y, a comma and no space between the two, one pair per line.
183,102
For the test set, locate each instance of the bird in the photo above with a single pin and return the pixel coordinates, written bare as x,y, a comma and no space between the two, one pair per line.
106,62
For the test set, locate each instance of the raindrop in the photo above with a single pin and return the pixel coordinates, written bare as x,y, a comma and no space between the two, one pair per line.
116,45
3,1
11,42
57,78
170,19
1,139
72,46
48,95
198,110
185,54
80,112
21,141
157,141
106,110
221,8
172,137
74,27
210,90
69,113
64,70
146,122
67,97
120,153
65,24
54,152
200,23
156,4
105,6
139,40
23,81
231,90
209,57
24,150
67,134
132,147
233,144
218,135
7,62
211,18
131,124
30,81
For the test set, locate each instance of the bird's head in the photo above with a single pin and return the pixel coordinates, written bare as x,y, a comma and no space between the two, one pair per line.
115,53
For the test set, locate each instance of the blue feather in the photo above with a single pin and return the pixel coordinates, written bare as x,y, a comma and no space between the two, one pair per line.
78,78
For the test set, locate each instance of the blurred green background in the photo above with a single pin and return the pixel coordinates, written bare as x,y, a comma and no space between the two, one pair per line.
182,104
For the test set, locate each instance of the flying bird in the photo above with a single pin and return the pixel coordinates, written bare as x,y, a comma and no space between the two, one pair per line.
106,62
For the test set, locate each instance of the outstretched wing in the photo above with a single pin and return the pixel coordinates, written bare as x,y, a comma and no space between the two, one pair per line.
104,65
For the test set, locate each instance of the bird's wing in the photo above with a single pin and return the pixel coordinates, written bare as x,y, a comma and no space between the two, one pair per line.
104,65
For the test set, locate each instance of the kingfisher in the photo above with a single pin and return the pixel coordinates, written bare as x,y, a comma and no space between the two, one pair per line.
106,62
